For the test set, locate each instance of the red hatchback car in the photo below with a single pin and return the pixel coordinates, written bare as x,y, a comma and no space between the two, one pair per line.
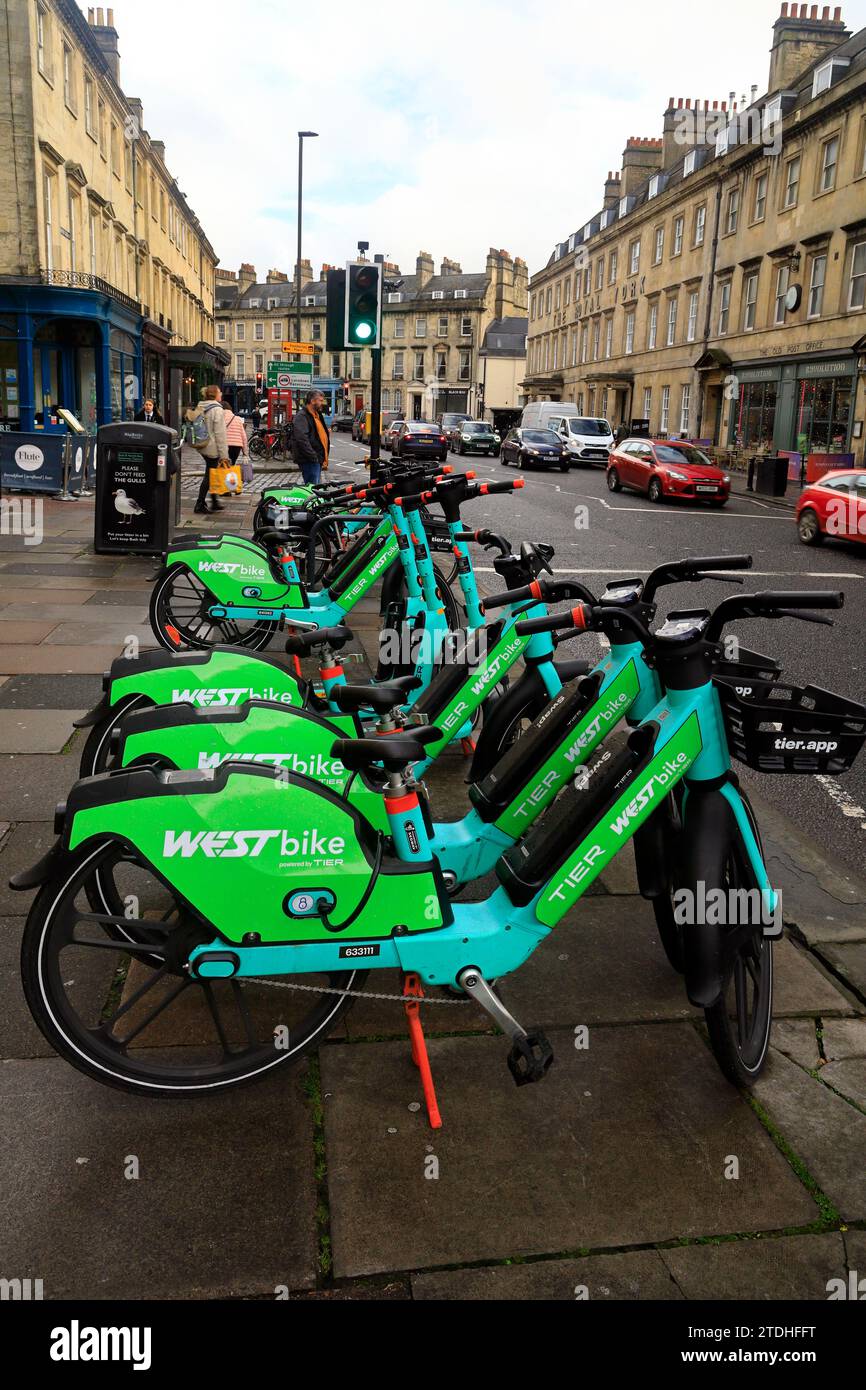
664,468
834,506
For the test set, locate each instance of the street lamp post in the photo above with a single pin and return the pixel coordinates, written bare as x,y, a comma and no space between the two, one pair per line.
302,136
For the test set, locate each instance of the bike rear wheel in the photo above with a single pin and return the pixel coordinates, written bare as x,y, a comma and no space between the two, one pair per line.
180,621
126,1013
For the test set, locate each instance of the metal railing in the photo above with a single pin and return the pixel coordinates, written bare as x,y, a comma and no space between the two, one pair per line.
80,280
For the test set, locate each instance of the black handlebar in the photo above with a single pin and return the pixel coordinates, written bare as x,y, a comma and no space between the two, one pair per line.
693,568
771,604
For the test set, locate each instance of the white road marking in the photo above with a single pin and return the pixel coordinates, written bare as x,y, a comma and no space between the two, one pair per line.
846,805
756,574
685,511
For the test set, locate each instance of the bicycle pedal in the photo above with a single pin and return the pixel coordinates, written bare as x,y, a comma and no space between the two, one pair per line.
530,1058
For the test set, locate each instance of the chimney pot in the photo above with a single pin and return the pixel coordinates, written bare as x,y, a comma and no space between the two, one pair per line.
825,13
837,15
784,11
110,18
813,13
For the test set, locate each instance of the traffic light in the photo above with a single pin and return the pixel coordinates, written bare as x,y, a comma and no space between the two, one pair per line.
335,334
260,383
363,304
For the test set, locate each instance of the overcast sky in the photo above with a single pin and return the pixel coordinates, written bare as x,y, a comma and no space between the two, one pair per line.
450,126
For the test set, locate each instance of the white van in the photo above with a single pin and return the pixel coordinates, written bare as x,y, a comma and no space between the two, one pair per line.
588,439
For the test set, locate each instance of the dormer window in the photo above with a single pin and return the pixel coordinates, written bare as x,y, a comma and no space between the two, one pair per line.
394,297
623,206
689,163
655,184
828,73
461,294
255,304
772,112
437,294
722,142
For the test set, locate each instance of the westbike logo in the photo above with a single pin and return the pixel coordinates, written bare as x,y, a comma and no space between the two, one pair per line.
659,781
585,742
249,844
224,697
491,673
317,766
384,558
238,570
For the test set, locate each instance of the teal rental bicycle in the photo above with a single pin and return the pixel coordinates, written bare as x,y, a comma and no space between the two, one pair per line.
263,897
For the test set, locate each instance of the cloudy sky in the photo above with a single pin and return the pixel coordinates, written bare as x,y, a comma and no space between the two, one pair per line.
448,126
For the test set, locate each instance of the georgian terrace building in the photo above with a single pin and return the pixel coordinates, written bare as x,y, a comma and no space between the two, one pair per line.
106,275
720,292
437,331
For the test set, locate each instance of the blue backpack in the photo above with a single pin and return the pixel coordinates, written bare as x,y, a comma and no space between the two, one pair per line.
199,433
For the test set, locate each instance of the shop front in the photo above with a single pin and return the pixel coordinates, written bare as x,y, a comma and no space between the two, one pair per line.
191,369
75,347
155,341
803,406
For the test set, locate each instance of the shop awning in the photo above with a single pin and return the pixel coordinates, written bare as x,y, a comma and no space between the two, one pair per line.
201,355
711,360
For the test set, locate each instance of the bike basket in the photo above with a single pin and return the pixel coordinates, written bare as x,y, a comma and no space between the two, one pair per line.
751,674
791,728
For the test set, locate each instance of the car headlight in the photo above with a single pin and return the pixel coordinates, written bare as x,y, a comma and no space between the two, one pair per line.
532,451
682,477
726,478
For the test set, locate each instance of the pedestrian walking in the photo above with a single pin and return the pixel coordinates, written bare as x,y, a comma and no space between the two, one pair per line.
236,433
311,442
209,437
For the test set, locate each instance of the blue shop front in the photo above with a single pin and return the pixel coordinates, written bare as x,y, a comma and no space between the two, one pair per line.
77,347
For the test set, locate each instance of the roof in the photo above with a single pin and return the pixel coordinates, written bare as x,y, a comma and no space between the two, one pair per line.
475,286
506,338
281,294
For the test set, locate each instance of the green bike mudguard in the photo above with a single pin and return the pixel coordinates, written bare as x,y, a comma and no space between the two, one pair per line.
247,847
296,741
288,496
235,571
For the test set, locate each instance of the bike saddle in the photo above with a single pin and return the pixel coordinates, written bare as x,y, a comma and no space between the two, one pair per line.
364,754
351,699
302,643
273,535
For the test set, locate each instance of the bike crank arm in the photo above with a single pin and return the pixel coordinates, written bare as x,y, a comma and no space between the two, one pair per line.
531,1055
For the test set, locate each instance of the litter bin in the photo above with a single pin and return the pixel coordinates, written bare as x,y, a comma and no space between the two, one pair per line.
771,477
137,489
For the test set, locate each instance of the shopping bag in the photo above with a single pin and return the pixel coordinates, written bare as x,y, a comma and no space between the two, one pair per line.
216,481
233,481
247,474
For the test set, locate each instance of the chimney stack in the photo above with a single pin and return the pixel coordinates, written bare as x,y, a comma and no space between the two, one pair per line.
275,277
246,277
800,38
640,158
105,35
611,189
424,268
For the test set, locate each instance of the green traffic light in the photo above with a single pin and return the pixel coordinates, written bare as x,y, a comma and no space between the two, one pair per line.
364,330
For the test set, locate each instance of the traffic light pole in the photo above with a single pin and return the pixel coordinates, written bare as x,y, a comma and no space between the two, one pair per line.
376,390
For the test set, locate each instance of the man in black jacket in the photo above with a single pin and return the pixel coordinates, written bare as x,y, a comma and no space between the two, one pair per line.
311,441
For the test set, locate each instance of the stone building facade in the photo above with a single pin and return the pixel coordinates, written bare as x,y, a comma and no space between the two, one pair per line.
106,275
720,291
434,328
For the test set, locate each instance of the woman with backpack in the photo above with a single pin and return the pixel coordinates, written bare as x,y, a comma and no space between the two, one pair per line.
209,438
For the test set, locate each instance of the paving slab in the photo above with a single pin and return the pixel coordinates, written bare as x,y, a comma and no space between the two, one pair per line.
36,730
623,1143
636,1275
91,569
118,598
825,1132
843,1037
849,960
19,1036
32,784
821,899
187,1226
28,583
102,617
798,1039
41,596
800,987
25,632
848,1078
855,1249
51,692
23,846
117,632
55,660
795,1267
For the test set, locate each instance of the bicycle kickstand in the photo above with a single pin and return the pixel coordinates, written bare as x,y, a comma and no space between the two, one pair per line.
413,993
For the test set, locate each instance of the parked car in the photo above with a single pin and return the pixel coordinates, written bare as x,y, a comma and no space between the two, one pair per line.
388,418
534,449
476,437
389,436
834,506
344,422
358,425
420,439
450,421
663,469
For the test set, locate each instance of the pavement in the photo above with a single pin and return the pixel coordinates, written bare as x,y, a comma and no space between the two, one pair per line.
635,1171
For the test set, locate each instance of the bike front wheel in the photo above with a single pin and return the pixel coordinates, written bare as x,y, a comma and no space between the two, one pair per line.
180,619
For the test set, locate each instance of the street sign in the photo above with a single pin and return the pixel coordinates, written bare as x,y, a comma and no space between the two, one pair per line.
300,347
288,376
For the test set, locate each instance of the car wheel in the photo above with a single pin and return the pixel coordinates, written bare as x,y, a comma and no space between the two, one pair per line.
809,528
564,466
613,481
655,491
521,462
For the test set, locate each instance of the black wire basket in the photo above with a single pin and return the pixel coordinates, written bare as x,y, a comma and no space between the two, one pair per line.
751,674
790,728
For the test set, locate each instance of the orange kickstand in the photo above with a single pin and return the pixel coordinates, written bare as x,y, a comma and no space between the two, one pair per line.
296,660
413,993
468,745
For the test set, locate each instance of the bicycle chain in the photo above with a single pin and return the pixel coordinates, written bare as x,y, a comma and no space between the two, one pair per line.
352,993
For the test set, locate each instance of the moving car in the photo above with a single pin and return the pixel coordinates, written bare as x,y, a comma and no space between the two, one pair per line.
450,421
534,449
476,437
587,439
667,468
421,439
833,506
358,425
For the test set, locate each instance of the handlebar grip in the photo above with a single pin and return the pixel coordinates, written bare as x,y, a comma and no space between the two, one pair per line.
512,485
576,620
507,596
721,562
805,598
